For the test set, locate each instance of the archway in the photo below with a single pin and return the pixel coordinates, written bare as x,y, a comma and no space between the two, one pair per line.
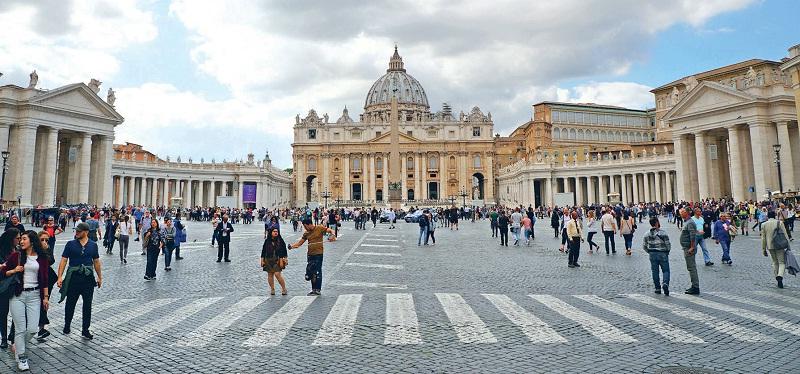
311,190
477,186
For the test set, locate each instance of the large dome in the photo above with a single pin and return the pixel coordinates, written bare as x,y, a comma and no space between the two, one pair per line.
396,82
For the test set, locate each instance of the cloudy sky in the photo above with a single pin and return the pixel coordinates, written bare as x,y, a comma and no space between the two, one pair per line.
221,79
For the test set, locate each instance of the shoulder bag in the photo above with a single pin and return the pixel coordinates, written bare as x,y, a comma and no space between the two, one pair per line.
8,285
779,240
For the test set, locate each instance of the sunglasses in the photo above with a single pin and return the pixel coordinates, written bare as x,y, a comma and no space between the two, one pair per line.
43,240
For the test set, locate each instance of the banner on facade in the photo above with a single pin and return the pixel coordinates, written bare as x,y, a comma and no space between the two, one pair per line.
249,193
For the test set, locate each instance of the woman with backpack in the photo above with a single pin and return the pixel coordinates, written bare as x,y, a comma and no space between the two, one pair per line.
627,226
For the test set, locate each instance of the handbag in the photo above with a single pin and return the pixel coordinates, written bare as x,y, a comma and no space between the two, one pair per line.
7,286
282,262
117,233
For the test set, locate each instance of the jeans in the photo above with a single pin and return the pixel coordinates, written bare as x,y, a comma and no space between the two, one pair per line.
430,235
528,234
168,254
574,250
702,244
214,235
152,261
80,286
726,249
691,267
124,240
660,260
504,236
628,240
423,234
314,271
25,314
609,236
493,225
4,309
591,242
515,233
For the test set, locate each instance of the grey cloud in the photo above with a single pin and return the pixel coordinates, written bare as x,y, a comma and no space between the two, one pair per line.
52,16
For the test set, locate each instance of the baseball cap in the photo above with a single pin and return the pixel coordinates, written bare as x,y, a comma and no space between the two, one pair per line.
83,226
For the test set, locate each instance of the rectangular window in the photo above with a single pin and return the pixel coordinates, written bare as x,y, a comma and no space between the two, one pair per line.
410,133
476,131
336,136
379,164
377,134
431,133
452,134
312,134
356,135
356,164
570,117
556,116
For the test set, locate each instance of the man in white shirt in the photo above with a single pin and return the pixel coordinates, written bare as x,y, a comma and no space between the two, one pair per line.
516,220
609,226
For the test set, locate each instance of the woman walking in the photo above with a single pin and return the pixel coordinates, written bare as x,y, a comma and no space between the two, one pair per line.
47,251
8,245
722,235
432,227
626,227
169,243
591,229
125,230
30,266
274,258
154,242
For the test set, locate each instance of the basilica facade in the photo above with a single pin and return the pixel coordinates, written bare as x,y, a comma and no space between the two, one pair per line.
446,157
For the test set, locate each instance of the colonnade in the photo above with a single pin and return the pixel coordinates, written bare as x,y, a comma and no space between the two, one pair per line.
49,166
154,191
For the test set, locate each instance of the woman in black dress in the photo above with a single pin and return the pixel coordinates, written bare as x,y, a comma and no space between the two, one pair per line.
274,259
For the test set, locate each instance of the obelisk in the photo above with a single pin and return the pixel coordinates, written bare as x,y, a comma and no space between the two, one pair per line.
395,177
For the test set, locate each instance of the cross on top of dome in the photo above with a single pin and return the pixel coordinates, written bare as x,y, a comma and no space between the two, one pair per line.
396,62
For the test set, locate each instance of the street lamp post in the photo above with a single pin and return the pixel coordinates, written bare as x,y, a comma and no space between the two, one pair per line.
777,148
5,155
463,195
338,200
326,195
452,199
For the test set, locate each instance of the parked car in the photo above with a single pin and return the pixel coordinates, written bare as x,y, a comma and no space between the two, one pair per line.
384,217
414,217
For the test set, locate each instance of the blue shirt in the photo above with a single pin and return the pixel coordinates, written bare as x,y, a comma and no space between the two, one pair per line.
78,255
137,214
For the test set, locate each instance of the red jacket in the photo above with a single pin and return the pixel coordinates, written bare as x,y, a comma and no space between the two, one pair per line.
13,261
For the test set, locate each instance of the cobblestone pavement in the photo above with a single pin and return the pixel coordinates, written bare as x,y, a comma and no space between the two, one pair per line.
463,305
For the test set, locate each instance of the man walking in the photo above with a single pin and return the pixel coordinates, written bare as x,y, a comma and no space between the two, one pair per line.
775,239
82,255
224,230
689,245
656,244
699,223
574,239
423,228
609,227
314,235
516,223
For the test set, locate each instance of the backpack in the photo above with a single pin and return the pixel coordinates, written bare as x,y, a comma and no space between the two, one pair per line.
423,220
779,240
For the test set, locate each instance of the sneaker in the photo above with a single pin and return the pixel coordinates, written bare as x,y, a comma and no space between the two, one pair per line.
3,344
43,333
219,260
666,289
179,258
147,278
657,291
22,364
570,266
66,330
576,265
692,291
780,281
312,293
87,335
125,261
709,263
226,260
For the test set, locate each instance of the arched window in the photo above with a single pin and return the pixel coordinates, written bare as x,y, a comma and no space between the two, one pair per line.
572,134
378,163
564,134
410,163
312,164
357,163
452,164
433,162
476,161
556,133
336,164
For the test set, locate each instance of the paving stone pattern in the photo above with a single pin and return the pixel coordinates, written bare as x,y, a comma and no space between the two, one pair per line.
463,305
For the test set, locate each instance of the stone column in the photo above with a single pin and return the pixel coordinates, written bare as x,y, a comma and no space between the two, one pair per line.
153,192
636,196
239,195
737,182
346,183
658,193
701,155
442,177
417,177
612,181
85,168
578,192
670,194
385,178
19,179
590,192
131,187
624,182
794,140
678,142
787,164
48,169
603,190
423,171
567,184
404,173
326,174
547,186
762,158
373,189
212,194
648,197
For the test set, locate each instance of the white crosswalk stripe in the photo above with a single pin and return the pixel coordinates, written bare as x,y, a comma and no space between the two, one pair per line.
340,323
275,328
377,254
468,326
172,319
593,325
375,266
217,325
369,285
533,327
658,326
784,298
757,303
777,323
382,240
402,326
724,326
380,245
122,318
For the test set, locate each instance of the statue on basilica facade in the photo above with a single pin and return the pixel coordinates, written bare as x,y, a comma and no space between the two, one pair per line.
297,119
34,79
111,97
94,85
675,96
750,78
325,117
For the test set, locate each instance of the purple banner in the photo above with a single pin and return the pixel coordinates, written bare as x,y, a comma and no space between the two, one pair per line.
249,193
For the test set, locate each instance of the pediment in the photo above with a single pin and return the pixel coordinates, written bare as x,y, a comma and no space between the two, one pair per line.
386,139
707,97
77,98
